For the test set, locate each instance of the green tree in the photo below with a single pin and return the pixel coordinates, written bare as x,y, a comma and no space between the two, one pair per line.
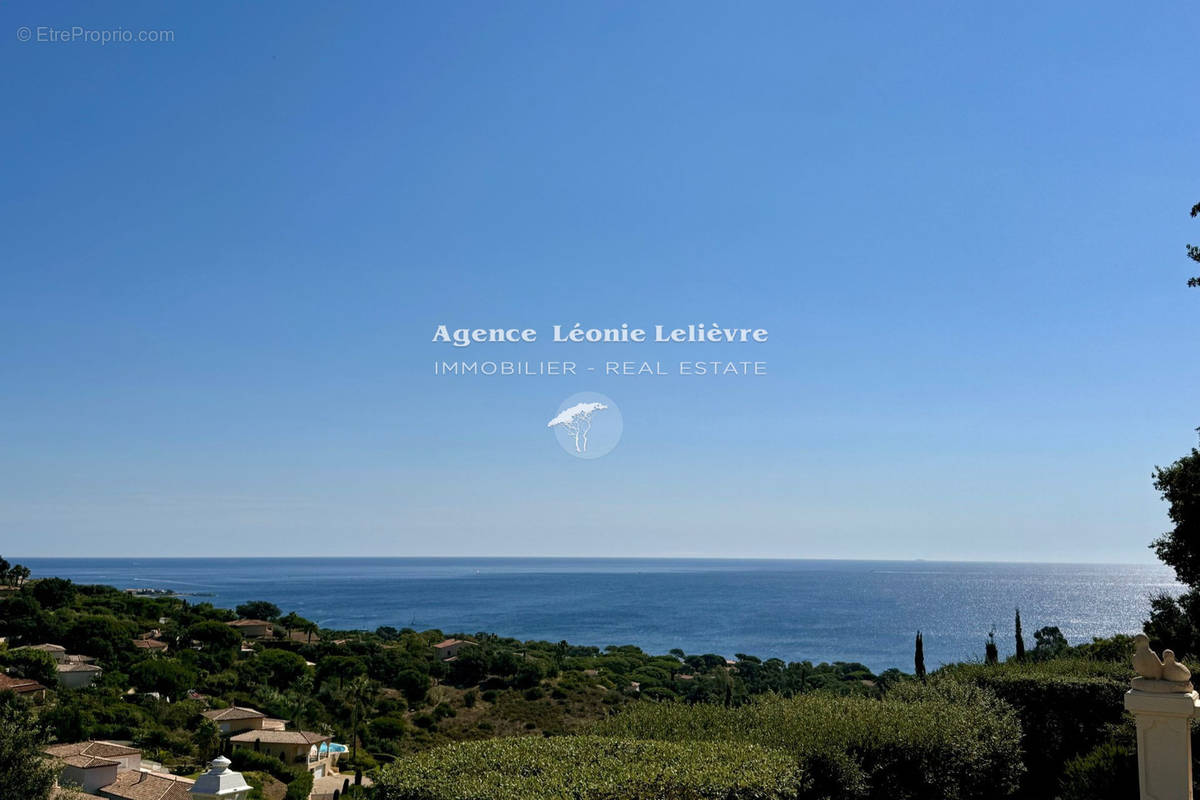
293,622
1193,251
100,635
25,772
1020,654
35,665
217,641
991,654
207,737
359,694
165,676
339,668
258,609
53,593
1050,643
283,667
18,575
414,685
1173,621
22,616
919,658
67,723
1179,547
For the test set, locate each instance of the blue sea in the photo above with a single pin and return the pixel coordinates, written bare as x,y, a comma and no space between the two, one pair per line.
866,611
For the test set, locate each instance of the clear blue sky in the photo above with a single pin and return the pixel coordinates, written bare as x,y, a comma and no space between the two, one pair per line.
223,259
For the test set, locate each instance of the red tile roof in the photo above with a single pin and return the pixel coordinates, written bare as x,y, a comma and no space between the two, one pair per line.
232,713
281,737
19,685
100,750
135,785
150,644
450,643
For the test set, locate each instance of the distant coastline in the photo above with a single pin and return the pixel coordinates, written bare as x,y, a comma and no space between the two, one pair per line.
797,610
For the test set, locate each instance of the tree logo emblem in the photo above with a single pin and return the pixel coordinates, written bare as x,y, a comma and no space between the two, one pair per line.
587,425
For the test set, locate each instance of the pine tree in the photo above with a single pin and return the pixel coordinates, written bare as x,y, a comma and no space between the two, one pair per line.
1020,639
920,657
991,652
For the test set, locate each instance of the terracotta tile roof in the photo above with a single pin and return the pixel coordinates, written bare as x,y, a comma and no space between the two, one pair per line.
19,685
73,794
232,713
135,785
75,659
242,623
88,762
78,668
48,648
451,642
281,737
150,644
90,749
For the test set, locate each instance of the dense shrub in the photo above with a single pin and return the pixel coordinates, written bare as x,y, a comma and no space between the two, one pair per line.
1066,707
301,787
1108,772
244,759
924,746
593,768
389,727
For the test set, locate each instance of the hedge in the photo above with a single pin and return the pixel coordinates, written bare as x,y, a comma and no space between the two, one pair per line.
1109,772
1067,708
593,768
298,779
949,743
300,787
244,759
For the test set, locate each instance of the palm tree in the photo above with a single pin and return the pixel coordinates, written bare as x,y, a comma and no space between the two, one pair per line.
298,698
208,739
290,621
359,694
309,627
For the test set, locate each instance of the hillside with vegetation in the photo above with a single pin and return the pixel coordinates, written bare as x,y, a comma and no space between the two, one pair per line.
426,725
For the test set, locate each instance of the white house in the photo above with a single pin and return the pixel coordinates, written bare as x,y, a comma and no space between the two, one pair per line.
93,765
78,676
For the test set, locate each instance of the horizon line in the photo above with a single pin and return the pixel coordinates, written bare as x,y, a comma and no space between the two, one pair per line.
914,560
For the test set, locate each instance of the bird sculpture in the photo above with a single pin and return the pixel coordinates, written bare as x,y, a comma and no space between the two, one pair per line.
1146,662
1172,670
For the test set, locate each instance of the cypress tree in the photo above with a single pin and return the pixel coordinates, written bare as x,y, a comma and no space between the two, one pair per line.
1020,639
991,652
920,657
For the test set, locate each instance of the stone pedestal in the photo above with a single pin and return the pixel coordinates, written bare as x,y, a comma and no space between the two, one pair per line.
1164,742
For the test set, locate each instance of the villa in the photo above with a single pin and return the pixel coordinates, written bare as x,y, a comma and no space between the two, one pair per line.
93,765
311,749
77,659
253,628
448,648
137,785
76,675
22,687
237,719
56,651
74,671
150,645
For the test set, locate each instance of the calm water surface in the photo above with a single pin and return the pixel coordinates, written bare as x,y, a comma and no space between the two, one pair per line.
864,611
